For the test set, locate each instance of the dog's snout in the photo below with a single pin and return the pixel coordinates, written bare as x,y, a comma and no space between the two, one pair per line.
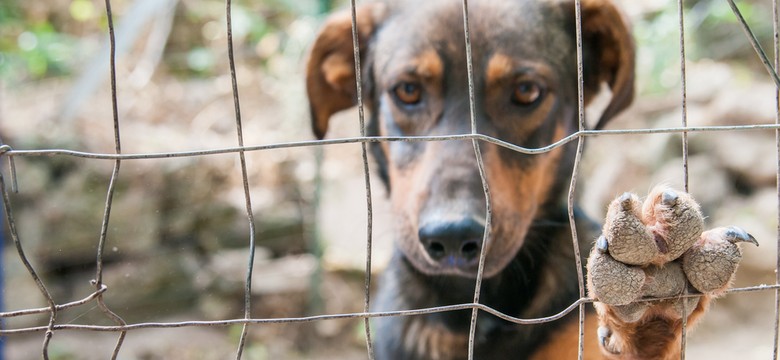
453,243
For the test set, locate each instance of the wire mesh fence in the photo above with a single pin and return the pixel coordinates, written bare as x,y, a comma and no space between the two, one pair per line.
121,328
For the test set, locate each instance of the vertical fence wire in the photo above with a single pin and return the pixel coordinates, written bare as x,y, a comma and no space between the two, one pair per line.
754,42
98,281
684,121
776,46
683,97
245,183
483,177
367,178
573,181
12,169
52,306
773,74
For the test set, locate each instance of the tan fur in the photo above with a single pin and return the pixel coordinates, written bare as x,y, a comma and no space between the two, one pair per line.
565,344
330,69
656,336
499,66
428,65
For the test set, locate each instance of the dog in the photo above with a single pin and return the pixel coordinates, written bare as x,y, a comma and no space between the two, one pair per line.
525,80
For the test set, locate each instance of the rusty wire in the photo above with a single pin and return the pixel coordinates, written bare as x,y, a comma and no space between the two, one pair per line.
684,120
98,281
575,174
482,177
360,315
375,139
366,177
776,45
122,327
244,181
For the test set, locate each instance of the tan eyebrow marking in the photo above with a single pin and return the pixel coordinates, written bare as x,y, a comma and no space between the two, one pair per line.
499,66
429,65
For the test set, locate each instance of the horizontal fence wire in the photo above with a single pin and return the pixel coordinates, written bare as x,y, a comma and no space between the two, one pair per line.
360,315
9,151
475,137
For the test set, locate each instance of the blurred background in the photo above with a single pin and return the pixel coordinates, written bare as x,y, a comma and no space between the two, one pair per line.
178,234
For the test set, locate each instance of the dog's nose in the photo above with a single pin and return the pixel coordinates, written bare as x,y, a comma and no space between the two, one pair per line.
453,243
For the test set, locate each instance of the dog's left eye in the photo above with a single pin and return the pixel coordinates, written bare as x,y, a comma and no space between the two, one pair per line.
527,93
408,93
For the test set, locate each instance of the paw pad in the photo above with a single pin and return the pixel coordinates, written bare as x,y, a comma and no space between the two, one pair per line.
628,238
605,286
711,261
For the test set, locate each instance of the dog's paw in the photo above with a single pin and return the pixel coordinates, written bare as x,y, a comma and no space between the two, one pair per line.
657,249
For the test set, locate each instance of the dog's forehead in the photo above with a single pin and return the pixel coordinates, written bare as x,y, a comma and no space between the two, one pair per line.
521,28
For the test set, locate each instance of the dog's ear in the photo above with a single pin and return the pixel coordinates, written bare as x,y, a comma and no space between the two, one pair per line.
330,70
610,55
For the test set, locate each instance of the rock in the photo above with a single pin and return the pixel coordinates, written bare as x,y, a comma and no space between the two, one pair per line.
285,275
707,180
757,214
751,103
748,156
226,272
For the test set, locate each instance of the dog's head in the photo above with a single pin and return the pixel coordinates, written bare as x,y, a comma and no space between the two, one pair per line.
416,83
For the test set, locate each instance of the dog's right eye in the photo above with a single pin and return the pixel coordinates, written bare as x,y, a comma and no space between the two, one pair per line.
527,93
408,93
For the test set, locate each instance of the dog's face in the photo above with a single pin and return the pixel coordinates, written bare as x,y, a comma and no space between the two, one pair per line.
525,92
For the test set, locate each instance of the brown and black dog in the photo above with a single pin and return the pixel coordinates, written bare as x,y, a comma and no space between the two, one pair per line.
525,79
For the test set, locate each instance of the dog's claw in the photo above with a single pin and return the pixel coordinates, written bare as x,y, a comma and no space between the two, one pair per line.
625,200
605,334
735,234
602,245
669,197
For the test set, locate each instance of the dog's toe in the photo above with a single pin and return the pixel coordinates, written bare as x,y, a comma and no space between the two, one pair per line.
614,282
674,219
628,238
712,261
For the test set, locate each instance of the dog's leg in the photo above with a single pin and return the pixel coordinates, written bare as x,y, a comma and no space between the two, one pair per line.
657,250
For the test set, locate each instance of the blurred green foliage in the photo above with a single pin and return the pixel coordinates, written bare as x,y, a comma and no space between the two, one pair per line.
47,39
54,39
31,48
711,32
